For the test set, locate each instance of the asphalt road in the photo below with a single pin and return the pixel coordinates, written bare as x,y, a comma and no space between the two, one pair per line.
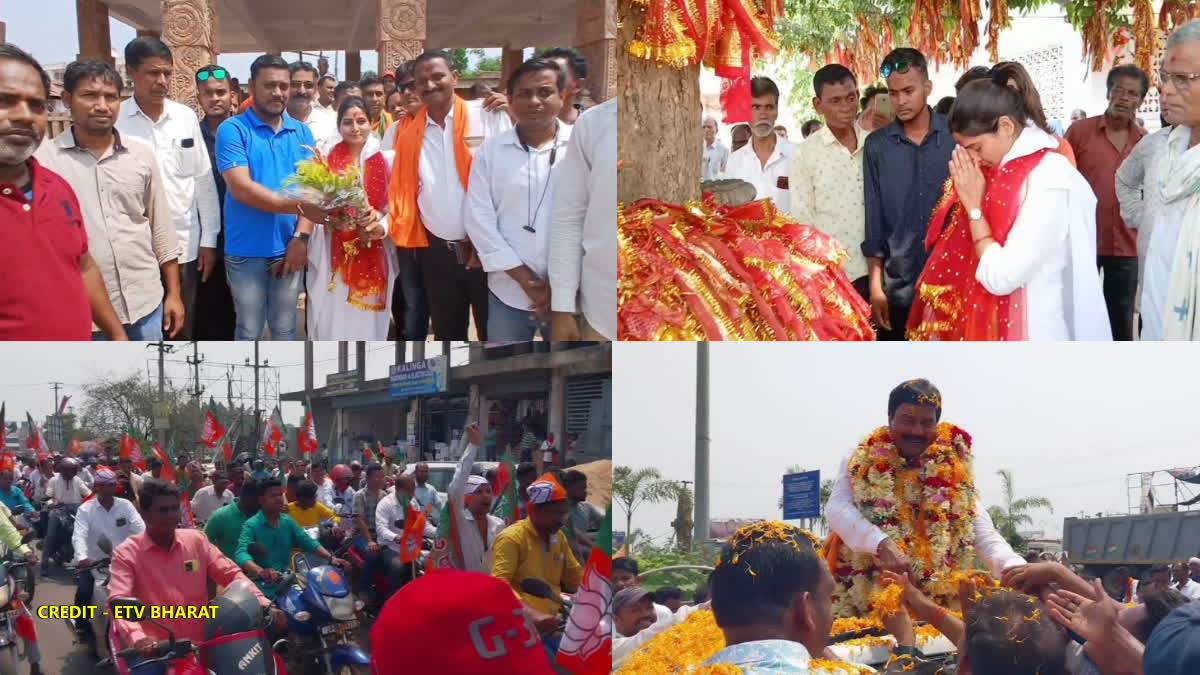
60,654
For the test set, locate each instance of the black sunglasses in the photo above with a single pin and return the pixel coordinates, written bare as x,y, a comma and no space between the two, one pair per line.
214,73
897,66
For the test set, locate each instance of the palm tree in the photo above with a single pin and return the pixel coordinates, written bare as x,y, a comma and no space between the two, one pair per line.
632,488
1015,513
811,524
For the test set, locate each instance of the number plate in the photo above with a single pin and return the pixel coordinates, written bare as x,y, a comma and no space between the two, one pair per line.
13,613
328,629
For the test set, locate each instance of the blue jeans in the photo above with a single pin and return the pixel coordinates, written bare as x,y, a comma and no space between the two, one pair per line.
510,323
370,562
261,298
145,329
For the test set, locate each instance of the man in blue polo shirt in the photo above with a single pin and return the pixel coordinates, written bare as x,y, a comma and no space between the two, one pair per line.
266,234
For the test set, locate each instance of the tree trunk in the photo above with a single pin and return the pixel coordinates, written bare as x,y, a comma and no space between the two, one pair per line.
659,111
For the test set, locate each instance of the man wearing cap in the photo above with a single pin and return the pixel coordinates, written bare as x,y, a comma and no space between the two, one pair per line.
209,498
636,622
535,547
1194,568
104,516
470,498
450,621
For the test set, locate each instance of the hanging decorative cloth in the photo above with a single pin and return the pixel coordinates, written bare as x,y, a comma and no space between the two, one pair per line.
362,267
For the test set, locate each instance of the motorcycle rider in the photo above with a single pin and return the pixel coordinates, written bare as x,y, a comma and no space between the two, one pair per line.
389,527
107,516
278,534
306,510
127,475
11,538
224,526
366,501
168,566
11,495
209,498
427,495
64,487
324,486
341,475
43,473
357,480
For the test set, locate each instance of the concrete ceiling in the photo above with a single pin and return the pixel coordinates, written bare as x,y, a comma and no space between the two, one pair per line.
313,25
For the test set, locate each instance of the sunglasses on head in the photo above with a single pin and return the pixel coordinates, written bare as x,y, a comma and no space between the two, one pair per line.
897,66
214,73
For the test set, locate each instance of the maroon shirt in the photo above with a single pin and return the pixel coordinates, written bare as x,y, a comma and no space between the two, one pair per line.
41,243
1098,160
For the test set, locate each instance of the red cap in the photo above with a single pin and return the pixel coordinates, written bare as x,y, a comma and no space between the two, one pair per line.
450,621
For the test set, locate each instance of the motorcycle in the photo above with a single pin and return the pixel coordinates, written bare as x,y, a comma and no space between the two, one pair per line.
14,598
94,636
380,580
235,639
61,550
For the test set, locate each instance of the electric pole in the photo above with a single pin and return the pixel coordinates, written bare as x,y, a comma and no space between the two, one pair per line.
55,416
161,409
194,361
257,413
701,524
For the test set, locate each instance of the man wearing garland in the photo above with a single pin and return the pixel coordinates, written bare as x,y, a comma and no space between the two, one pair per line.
905,501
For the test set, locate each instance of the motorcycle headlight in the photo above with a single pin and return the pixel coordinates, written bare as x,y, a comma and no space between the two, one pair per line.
5,594
342,608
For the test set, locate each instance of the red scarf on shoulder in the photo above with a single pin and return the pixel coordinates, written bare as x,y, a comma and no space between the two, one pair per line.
362,268
950,303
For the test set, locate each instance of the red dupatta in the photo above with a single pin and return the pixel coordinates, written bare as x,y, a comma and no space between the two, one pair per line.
950,303
363,269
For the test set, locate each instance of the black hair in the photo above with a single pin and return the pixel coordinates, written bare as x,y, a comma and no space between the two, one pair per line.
253,487
343,86
972,74
307,489
915,392
1158,569
221,475
431,55
809,127
78,71
405,70
943,106
348,104
981,104
322,464
327,77
294,479
914,57
574,59
153,487
395,92
702,594
784,562
297,66
1158,606
140,49
572,477
626,564
762,86
1004,71
745,127
370,81
870,93
1128,70
1003,638
537,66
267,61
667,593
834,73
373,467
15,53
268,483
526,469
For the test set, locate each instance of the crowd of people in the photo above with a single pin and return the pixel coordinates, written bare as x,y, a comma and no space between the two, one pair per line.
242,520
148,222
979,218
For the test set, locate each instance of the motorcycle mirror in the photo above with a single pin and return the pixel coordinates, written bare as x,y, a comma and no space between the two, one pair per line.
538,588
285,581
104,544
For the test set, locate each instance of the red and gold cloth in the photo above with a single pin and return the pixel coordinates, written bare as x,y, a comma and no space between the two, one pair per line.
362,268
951,304
725,35
703,271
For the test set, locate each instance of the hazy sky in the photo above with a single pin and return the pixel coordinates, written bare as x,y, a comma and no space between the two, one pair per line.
27,368
1069,420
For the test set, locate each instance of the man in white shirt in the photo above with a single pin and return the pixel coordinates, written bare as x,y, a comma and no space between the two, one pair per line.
325,92
583,231
477,528
1183,582
425,494
716,155
766,160
211,497
509,202
303,105
389,527
826,183
317,475
64,487
173,130
107,516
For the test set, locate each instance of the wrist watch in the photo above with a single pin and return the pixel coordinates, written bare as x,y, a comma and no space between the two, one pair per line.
975,214
302,236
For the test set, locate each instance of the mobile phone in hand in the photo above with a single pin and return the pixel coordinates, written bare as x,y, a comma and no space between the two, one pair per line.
883,104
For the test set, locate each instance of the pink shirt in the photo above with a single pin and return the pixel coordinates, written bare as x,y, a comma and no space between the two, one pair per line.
175,578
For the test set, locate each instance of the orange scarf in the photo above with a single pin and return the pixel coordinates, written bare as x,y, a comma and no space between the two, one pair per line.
406,227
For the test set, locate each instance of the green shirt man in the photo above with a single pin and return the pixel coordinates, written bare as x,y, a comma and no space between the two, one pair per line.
278,539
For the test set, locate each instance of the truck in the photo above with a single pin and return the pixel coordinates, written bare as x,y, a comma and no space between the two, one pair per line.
1136,542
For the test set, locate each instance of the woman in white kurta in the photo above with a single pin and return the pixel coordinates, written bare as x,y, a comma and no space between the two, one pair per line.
350,277
1016,257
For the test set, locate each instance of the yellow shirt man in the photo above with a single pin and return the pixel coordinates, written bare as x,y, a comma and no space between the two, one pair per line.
519,553
312,516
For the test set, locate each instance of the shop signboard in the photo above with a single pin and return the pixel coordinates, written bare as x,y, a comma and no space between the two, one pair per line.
342,383
419,377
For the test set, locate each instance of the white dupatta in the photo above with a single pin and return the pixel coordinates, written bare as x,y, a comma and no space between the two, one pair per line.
1179,179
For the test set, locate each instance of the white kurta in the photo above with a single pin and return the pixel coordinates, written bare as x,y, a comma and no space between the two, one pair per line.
330,316
1165,220
864,537
1051,249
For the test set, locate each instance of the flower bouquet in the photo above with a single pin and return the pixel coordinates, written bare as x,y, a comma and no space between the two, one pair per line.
317,182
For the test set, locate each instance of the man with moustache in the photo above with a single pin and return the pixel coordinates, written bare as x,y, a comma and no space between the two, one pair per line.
325,88
375,94
60,297
123,204
511,173
266,238
766,160
905,164
302,104
214,303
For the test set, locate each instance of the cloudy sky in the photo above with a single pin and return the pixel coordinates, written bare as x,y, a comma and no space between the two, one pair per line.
1069,420
28,368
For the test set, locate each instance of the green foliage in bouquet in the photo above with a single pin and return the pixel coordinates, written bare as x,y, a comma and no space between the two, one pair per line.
315,174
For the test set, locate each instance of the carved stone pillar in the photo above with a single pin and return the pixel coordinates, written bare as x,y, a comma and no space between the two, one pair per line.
190,30
353,66
94,40
401,34
596,39
510,60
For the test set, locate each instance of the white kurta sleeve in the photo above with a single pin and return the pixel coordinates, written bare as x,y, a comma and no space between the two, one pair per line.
1131,176
1039,231
624,647
993,550
844,517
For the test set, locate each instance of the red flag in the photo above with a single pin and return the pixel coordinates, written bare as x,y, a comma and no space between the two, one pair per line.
24,626
168,471
186,518
131,446
272,434
307,441
75,446
63,406
8,461
382,452
414,531
212,431
228,451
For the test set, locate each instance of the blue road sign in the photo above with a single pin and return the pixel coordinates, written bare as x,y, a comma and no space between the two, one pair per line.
802,495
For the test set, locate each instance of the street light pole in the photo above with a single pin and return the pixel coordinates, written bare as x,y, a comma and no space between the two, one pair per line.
701,518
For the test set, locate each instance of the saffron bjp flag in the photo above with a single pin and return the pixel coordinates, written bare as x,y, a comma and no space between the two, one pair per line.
212,431
168,470
507,507
307,441
75,446
586,647
414,532
131,447
272,434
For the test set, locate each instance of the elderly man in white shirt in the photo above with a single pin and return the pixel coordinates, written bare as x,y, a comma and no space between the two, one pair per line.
508,207
173,130
211,497
389,527
716,155
766,160
104,516
583,231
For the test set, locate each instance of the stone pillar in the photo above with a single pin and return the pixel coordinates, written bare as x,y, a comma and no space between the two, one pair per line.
510,60
190,30
95,41
145,32
401,32
353,66
596,39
